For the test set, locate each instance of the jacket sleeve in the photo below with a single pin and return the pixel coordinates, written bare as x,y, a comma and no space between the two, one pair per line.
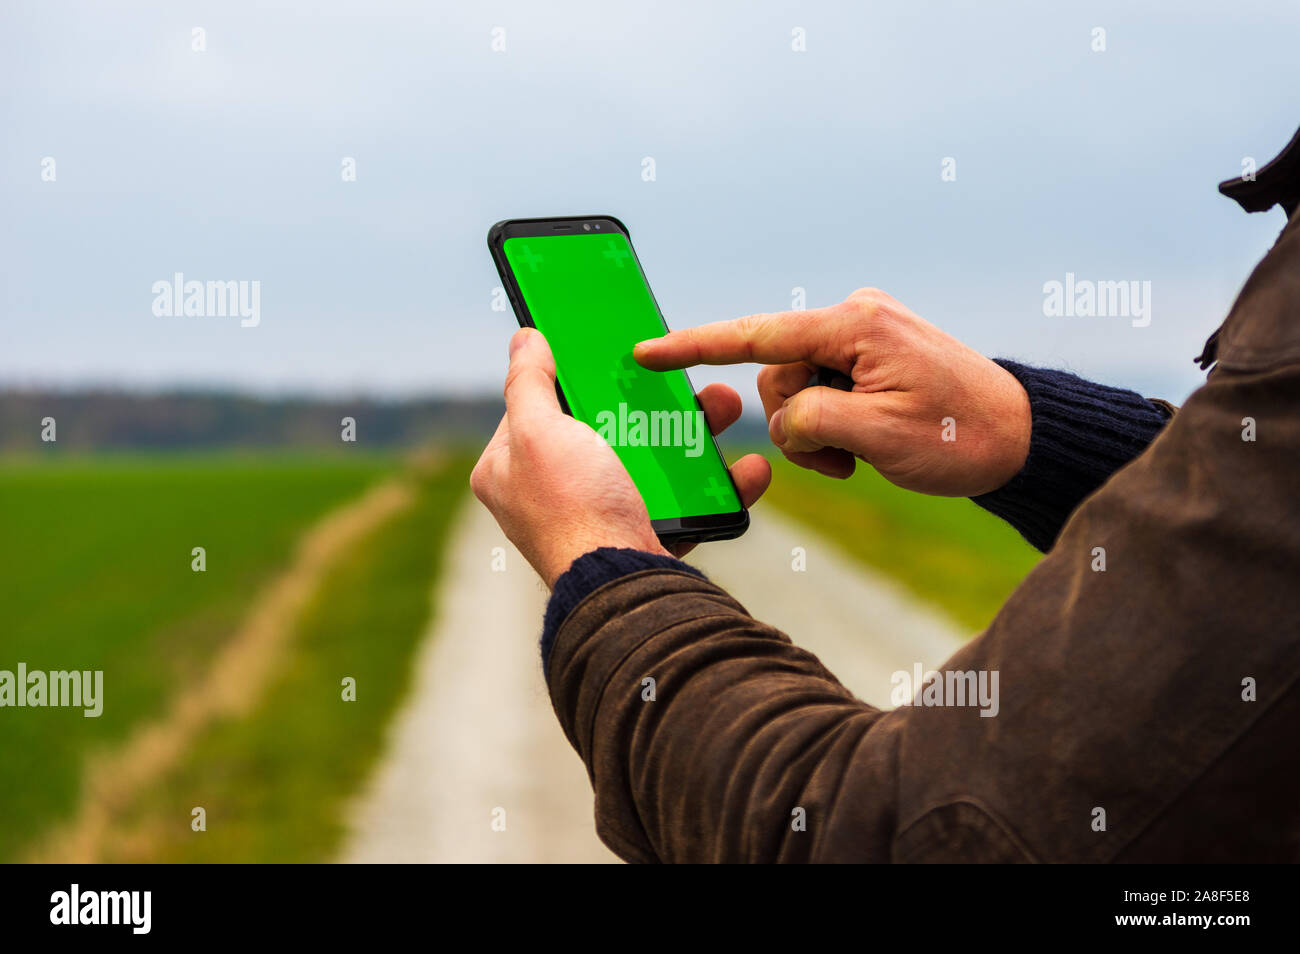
1122,728
1083,433
708,735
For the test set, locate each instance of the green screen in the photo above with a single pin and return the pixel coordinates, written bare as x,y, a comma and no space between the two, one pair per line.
587,295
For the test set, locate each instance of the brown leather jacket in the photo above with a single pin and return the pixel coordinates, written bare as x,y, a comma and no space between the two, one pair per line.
1148,712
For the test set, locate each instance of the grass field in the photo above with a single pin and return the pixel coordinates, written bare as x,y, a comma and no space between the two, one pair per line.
275,782
96,571
96,565
947,551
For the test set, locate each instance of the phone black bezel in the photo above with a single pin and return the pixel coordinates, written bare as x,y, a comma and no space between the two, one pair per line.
722,526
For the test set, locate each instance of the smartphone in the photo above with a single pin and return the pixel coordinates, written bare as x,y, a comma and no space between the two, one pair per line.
578,281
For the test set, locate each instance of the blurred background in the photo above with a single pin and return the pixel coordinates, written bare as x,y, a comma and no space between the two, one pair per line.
349,158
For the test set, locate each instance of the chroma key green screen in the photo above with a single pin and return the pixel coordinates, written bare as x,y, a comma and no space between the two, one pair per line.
587,295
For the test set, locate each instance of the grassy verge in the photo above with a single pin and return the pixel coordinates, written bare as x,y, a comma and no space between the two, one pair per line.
96,571
947,551
275,784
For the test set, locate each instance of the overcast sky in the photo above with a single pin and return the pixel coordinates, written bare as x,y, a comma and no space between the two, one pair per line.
774,169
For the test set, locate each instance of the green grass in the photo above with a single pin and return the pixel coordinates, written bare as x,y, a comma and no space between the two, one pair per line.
95,574
947,551
275,783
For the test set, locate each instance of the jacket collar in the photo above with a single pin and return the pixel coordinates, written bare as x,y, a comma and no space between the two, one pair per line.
1277,183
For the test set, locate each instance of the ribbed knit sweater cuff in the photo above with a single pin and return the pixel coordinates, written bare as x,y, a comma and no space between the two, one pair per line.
1082,433
590,572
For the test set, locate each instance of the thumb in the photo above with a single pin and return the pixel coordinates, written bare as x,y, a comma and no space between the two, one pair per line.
530,382
820,417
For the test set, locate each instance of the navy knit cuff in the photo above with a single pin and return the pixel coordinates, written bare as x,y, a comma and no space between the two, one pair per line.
590,572
1082,433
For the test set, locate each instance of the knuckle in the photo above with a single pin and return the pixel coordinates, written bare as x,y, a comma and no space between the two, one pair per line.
869,302
517,375
691,337
748,327
525,442
512,375
479,481
803,415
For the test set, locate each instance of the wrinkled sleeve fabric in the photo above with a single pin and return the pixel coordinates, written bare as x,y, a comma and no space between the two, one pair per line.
709,736
590,572
1121,729
1083,432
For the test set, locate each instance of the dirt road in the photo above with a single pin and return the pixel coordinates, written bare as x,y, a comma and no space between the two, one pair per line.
477,769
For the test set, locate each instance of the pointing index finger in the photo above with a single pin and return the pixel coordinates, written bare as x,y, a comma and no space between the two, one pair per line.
781,338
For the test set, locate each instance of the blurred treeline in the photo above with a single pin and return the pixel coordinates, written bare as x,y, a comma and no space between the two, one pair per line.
93,420
179,420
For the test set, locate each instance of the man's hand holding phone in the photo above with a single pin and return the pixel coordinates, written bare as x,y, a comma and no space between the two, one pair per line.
558,490
929,413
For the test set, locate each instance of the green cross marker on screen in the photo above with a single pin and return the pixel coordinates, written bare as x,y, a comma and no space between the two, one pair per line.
617,253
721,494
529,257
626,372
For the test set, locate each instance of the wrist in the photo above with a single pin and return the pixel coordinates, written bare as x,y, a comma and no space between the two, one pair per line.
1015,425
559,558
